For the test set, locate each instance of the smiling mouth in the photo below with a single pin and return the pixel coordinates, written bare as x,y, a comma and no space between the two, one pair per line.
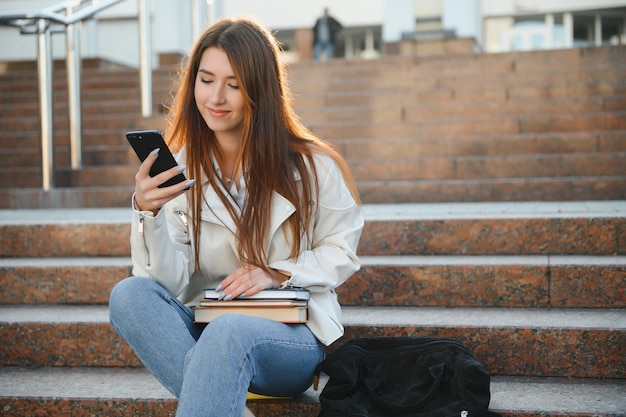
218,113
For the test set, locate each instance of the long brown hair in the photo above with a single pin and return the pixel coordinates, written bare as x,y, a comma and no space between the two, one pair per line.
275,144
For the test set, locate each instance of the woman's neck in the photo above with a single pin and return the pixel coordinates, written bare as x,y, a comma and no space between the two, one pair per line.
229,148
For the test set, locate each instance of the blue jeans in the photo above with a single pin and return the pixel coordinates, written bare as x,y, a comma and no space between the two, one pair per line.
210,368
320,47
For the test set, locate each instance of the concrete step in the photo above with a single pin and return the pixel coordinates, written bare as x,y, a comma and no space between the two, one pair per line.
91,121
521,61
465,94
484,145
421,90
96,143
30,158
411,111
436,281
408,167
570,154
416,167
112,136
585,228
577,343
380,107
87,176
586,94
459,127
527,84
493,190
513,190
112,92
33,198
470,67
113,392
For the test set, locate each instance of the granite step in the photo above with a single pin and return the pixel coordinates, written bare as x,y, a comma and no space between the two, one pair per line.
588,228
576,343
452,281
113,392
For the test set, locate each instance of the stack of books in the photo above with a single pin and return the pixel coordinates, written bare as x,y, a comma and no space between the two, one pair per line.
286,305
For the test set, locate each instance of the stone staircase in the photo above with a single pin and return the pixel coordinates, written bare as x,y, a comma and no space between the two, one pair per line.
500,127
495,191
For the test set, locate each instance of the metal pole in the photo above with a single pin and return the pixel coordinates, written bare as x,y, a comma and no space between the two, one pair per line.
145,57
44,70
73,90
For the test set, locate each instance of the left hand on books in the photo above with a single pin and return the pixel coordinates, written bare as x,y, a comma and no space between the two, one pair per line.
248,280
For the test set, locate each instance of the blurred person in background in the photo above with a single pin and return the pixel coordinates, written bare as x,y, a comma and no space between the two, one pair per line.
325,35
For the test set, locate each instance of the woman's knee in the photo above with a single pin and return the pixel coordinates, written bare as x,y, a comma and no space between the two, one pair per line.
126,293
230,332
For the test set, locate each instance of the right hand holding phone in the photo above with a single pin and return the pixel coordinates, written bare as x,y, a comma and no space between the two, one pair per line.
148,195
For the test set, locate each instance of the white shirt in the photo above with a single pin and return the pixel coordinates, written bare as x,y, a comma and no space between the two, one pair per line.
238,193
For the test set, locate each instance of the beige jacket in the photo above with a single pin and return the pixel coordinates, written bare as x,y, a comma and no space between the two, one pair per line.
162,250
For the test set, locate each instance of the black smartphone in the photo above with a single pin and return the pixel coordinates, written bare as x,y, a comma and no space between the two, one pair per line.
144,142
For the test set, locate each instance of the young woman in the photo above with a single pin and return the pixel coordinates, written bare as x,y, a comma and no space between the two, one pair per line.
269,205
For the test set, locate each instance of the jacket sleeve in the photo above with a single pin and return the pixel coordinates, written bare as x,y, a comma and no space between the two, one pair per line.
331,256
160,247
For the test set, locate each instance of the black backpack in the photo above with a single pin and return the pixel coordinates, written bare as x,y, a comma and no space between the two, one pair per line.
404,377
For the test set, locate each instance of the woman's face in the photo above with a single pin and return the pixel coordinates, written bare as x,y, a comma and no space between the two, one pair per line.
217,94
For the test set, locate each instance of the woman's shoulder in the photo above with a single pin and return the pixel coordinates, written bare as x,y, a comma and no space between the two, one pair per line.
324,162
333,189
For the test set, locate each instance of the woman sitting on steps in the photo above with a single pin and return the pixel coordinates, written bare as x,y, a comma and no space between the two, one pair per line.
269,205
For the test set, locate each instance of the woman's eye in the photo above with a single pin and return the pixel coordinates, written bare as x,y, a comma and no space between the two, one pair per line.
234,86
205,81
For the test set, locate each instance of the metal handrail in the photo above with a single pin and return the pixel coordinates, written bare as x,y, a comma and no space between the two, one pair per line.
27,18
68,13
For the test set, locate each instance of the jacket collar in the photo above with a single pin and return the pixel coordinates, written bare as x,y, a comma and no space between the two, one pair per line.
214,211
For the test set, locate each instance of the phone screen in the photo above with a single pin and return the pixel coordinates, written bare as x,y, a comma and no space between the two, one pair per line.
144,142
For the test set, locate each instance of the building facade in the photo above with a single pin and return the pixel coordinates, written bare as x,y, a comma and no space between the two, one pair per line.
372,28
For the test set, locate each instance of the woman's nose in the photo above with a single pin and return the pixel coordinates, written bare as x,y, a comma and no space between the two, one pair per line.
217,95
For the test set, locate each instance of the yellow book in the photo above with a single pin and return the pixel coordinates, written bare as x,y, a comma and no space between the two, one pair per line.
253,396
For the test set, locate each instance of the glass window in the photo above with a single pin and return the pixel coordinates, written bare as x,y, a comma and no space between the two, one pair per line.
612,29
